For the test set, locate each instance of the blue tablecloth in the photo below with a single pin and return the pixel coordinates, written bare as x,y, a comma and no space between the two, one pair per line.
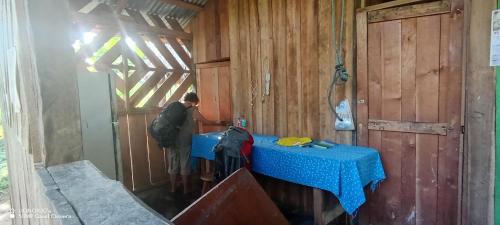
343,169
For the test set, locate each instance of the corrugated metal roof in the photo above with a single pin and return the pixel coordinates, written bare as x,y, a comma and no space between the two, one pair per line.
159,7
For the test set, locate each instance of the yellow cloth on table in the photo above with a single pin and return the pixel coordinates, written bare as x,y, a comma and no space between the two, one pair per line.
294,141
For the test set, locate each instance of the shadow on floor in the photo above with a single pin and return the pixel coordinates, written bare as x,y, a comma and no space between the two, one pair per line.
295,217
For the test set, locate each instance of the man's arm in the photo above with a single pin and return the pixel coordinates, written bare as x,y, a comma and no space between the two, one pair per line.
199,117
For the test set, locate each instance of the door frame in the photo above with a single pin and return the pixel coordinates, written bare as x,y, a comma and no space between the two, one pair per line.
116,127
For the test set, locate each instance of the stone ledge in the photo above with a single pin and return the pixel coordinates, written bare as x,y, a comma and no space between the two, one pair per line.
80,190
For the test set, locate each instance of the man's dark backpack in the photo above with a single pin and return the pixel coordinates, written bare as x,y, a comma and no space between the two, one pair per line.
165,127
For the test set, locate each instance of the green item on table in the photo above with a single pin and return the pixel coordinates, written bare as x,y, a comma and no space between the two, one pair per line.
324,144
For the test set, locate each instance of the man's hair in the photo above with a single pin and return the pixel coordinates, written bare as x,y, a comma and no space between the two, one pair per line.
191,97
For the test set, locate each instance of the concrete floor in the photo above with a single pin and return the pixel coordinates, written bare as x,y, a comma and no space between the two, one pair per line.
5,213
5,208
170,204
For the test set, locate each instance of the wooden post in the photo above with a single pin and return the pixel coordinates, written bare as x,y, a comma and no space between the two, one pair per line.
55,65
497,139
479,116
29,83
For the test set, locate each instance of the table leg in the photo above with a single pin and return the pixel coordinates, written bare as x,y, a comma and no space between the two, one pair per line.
325,212
354,220
206,174
319,205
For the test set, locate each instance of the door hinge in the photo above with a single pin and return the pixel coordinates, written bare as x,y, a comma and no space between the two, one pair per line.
463,129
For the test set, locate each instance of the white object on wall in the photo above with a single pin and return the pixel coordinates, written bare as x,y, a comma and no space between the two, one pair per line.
495,39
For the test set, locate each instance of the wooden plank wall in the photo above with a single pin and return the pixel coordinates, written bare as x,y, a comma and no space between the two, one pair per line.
24,140
291,40
144,163
15,124
55,68
214,91
210,31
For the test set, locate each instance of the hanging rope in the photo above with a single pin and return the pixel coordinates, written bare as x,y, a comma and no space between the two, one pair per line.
338,46
340,75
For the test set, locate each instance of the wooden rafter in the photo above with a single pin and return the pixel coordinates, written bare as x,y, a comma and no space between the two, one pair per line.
127,24
160,93
147,51
136,60
180,51
174,24
122,4
109,57
145,35
146,87
157,21
138,75
119,83
181,89
165,52
88,49
184,5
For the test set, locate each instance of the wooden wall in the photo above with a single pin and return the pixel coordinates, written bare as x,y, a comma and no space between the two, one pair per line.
210,31
292,42
36,132
214,88
55,71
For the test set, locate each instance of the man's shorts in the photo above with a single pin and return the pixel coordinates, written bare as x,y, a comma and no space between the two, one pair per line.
179,160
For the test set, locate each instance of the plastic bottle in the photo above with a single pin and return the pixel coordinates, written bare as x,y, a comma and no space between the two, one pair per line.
242,122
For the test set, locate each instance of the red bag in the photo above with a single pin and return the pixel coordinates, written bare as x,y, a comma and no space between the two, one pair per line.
246,150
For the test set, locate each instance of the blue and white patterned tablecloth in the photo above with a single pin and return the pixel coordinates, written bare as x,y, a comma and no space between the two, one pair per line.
343,169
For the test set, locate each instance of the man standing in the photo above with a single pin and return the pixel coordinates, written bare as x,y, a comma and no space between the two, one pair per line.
179,156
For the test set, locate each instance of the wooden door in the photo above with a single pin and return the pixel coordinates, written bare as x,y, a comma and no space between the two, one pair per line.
96,119
409,107
214,90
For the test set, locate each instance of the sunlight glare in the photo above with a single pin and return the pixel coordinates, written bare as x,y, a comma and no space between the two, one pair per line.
88,37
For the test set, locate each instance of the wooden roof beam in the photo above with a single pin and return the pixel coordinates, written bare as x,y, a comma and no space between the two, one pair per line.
121,5
184,5
127,23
